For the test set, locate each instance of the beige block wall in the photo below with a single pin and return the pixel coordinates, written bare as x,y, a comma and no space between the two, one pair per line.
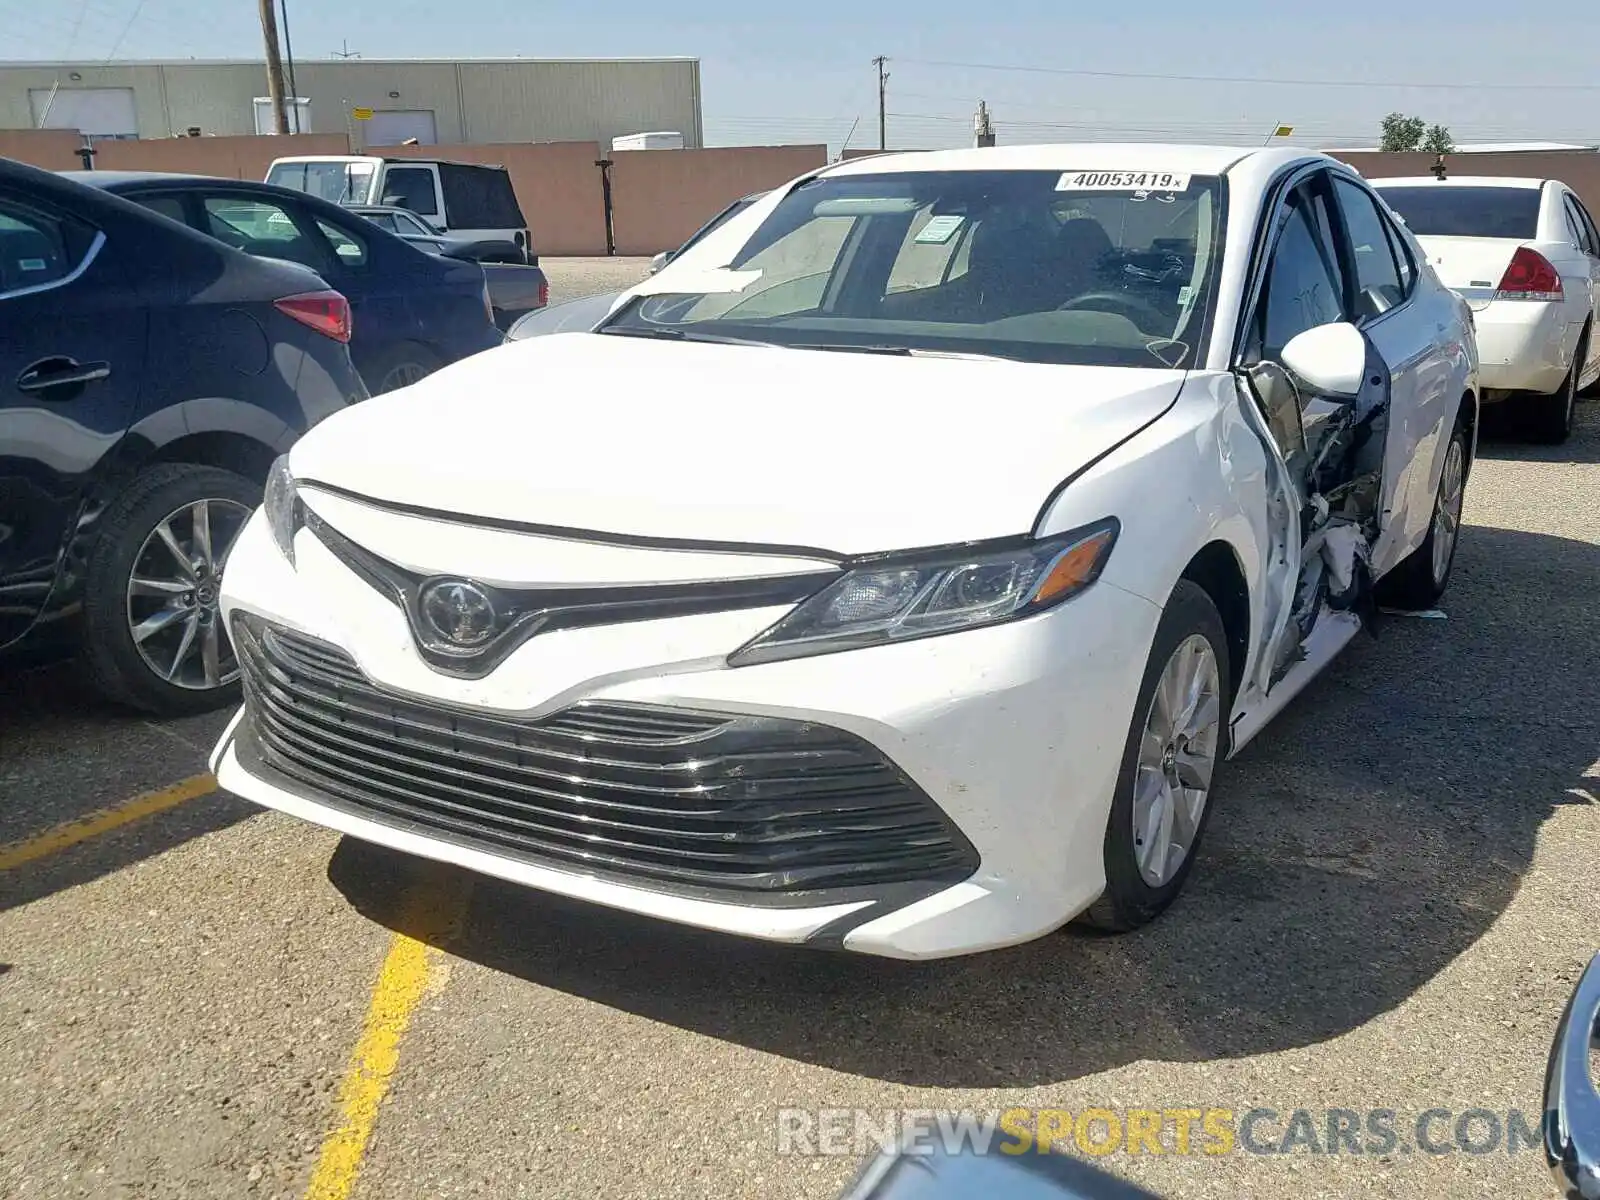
660,197
227,157
52,149
557,185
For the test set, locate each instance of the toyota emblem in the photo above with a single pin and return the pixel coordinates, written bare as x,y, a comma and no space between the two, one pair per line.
458,613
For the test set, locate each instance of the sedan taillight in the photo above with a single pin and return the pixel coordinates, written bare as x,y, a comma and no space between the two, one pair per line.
326,312
1531,276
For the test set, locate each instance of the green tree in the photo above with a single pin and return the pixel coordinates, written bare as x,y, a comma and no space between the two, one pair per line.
1401,133
1438,140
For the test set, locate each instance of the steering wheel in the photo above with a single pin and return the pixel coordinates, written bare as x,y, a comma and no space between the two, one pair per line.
1136,310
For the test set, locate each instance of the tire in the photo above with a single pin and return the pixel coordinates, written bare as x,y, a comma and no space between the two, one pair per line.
399,366
1132,898
137,611
1550,419
1419,580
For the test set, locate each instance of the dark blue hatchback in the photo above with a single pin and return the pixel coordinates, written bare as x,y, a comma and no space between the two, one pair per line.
412,312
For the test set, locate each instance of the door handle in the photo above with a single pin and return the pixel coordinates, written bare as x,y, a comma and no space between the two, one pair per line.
49,373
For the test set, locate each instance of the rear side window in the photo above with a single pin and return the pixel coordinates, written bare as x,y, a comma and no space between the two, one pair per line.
479,197
1583,231
411,188
170,207
37,250
1446,211
1377,276
263,228
350,251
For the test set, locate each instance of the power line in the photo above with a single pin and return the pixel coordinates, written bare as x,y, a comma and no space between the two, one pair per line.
1256,79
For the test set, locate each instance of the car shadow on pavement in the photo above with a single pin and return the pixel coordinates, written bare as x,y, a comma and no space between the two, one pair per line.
65,754
1369,837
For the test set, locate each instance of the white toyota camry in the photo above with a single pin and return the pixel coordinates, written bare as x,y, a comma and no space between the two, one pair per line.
891,571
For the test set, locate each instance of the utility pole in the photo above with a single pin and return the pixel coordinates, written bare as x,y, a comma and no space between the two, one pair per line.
346,52
288,63
883,102
982,126
269,33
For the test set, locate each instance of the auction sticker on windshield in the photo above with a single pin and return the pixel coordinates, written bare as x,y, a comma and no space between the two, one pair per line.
1123,181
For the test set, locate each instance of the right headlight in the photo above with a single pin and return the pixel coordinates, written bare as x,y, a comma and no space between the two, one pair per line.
895,598
285,514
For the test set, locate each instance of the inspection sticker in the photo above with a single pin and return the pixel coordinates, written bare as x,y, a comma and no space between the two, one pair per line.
940,230
1123,181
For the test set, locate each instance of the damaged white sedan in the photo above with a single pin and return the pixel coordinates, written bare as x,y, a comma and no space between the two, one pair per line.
904,560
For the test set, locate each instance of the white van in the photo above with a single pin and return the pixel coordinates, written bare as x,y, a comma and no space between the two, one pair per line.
465,200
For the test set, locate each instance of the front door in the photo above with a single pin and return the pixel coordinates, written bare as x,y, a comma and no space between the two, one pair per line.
72,349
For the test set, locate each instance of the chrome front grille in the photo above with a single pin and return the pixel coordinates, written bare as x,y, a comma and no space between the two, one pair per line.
699,800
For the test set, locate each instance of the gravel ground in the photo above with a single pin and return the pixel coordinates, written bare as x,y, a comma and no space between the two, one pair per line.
573,278
1395,899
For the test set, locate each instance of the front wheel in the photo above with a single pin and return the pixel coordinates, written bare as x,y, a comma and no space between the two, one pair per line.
1420,578
1177,737
153,634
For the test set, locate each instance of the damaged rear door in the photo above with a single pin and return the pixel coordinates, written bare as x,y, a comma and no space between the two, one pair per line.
1330,453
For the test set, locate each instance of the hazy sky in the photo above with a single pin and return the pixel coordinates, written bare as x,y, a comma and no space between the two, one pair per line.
774,72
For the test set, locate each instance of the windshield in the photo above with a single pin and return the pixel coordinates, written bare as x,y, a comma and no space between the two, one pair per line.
1448,211
1040,266
339,182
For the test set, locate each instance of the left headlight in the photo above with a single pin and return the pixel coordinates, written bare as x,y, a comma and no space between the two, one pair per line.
896,598
284,512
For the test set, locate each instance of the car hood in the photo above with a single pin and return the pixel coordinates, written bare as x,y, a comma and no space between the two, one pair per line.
844,452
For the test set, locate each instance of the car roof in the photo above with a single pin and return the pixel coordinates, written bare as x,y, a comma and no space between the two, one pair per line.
109,178
1504,181
1097,156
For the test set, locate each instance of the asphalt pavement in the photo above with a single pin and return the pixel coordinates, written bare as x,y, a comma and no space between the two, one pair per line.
1395,899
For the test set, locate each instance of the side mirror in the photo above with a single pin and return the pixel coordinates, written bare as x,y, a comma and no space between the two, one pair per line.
660,261
1571,1102
1331,360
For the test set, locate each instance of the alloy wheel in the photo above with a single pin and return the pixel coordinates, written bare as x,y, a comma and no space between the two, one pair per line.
174,610
1447,509
402,375
1177,757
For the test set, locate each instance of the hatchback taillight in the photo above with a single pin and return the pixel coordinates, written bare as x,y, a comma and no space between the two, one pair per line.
326,312
1529,277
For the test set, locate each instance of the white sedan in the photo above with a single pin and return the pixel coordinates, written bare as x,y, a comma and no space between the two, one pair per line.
1525,254
903,561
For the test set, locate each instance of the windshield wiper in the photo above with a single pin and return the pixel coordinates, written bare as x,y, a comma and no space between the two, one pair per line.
900,351
679,335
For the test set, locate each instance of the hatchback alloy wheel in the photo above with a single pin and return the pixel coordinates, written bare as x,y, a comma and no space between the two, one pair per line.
173,595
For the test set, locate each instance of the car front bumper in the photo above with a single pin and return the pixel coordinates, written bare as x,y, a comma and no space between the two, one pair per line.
1013,732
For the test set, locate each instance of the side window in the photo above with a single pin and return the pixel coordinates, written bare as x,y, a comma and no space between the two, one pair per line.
1402,257
411,188
349,251
260,227
36,249
1581,226
170,207
924,257
385,221
1304,286
1378,286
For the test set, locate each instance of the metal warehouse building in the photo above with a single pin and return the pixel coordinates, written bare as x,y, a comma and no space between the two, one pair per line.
432,100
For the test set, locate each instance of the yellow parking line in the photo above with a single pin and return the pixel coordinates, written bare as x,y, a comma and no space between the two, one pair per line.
409,969
104,821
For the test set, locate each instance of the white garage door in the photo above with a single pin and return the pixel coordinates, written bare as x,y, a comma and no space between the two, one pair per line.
99,112
392,126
